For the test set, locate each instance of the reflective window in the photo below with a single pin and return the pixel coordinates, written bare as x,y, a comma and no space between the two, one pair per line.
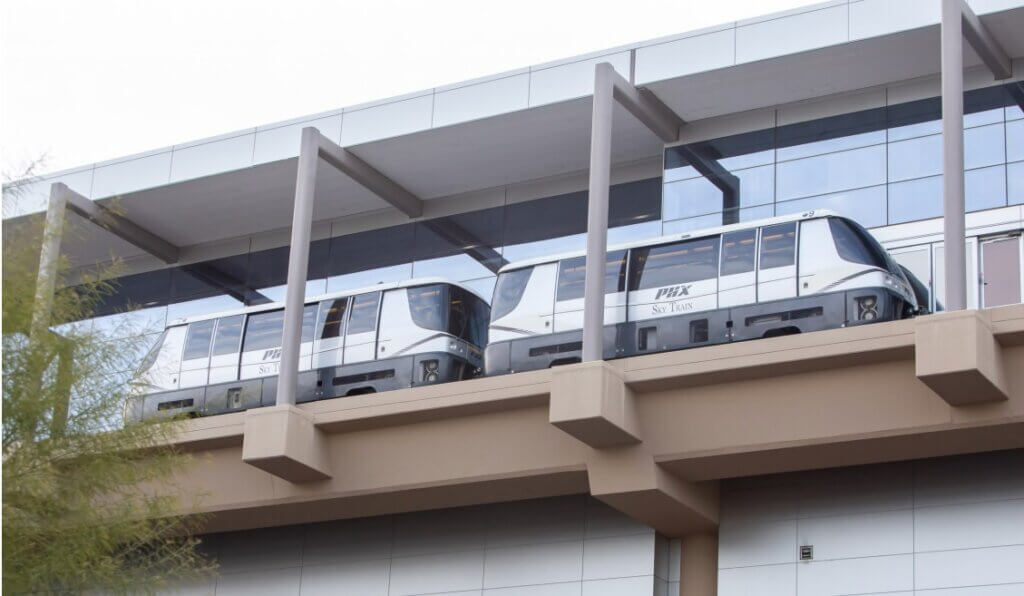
229,334
264,330
471,241
468,316
778,245
855,245
308,322
427,306
866,206
332,317
984,146
739,250
915,199
915,158
1015,140
364,313
830,173
197,343
508,290
572,273
1015,183
985,188
680,262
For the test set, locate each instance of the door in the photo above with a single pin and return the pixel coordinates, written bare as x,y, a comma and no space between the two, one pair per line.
330,333
227,340
776,270
195,361
738,279
361,332
1000,271
569,291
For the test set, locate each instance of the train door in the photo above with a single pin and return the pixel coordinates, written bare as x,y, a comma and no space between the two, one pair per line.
776,271
195,360
224,357
1000,271
738,277
569,291
361,332
329,337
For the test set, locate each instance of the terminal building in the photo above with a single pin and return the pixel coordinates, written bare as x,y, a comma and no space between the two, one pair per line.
877,459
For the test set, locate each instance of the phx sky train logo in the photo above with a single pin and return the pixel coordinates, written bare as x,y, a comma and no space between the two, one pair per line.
673,292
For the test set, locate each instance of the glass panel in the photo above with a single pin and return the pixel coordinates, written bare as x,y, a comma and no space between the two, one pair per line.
1001,271
699,196
382,250
739,251
216,277
426,305
149,289
1015,140
984,146
640,231
914,119
229,334
680,262
264,330
370,277
509,290
983,117
332,317
919,262
682,226
830,173
542,248
915,158
985,188
778,244
467,316
571,274
483,287
827,135
915,199
197,345
1015,182
865,139
364,313
202,306
471,241
154,351
866,206
853,246
308,323
456,267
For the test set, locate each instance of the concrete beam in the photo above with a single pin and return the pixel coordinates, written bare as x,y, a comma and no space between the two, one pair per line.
628,479
591,402
119,226
986,46
366,175
283,441
957,356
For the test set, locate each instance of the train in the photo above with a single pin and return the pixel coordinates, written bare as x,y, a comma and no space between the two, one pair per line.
778,276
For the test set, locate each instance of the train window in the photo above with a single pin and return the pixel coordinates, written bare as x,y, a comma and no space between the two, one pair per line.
853,246
572,275
738,252
332,318
467,316
197,344
426,305
508,290
778,245
364,313
264,330
680,262
151,356
308,322
229,334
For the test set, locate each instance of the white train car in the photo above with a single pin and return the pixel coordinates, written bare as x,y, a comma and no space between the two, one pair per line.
389,336
777,276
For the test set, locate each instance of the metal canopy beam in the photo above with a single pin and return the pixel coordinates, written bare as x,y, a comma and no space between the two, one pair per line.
117,225
986,46
360,171
610,87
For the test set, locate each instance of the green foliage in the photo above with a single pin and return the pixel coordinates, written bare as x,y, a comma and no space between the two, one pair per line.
81,493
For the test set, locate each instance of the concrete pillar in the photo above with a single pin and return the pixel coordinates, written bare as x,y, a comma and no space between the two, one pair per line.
49,260
597,212
698,565
954,227
298,265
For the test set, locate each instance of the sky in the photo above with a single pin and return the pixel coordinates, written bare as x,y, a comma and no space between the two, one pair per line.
85,81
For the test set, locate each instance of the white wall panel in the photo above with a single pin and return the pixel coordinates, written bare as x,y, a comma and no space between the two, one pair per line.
129,176
763,580
970,525
386,120
481,100
366,578
534,564
763,543
856,576
871,18
619,556
569,81
445,572
685,56
861,535
282,142
214,157
970,567
791,34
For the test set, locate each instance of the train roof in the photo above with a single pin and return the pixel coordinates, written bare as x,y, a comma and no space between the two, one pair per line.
810,214
389,285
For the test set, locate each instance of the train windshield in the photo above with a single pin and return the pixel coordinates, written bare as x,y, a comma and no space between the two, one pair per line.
452,310
856,245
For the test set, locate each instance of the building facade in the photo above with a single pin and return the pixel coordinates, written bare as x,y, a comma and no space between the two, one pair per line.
857,443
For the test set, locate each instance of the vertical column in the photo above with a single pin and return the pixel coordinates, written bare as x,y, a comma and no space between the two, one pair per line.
597,213
49,259
298,264
954,227
698,568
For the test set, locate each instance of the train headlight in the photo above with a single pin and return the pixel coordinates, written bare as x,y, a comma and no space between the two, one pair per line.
867,308
429,371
